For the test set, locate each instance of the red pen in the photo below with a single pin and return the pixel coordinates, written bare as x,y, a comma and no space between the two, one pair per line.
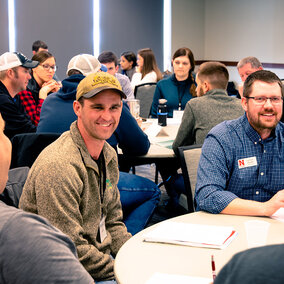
213,267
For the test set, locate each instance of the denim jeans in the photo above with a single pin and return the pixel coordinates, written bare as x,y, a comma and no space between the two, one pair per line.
139,197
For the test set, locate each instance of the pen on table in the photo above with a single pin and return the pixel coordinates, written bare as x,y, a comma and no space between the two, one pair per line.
213,267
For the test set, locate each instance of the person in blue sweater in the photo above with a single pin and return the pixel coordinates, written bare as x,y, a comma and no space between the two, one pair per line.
139,196
180,87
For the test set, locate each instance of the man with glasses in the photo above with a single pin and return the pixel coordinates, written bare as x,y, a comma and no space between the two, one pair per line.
242,163
14,78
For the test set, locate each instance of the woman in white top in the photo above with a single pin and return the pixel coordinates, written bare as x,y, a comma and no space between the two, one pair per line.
147,68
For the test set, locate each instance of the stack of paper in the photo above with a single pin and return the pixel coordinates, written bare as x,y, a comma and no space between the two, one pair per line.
163,278
191,235
279,214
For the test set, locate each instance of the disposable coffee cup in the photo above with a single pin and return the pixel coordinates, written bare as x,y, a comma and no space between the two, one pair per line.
134,107
256,232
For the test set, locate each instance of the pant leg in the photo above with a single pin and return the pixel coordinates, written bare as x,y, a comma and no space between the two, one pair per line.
139,197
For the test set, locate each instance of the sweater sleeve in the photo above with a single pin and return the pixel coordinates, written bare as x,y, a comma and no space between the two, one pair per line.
16,120
57,197
135,144
185,135
36,252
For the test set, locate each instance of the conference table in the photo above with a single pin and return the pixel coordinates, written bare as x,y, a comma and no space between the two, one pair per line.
160,150
138,260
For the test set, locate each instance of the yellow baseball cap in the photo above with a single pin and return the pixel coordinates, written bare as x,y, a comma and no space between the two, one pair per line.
96,83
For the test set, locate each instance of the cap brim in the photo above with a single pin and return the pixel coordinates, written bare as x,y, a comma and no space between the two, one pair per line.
98,90
30,64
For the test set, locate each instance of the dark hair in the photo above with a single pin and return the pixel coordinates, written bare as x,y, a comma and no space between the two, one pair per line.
42,56
216,73
73,72
39,44
263,76
130,56
108,57
185,51
150,63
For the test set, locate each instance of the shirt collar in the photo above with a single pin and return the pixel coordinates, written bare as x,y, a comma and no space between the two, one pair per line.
253,134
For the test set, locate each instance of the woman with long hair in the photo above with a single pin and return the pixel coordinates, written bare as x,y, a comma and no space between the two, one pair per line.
180,87
127,64
40,85
147,70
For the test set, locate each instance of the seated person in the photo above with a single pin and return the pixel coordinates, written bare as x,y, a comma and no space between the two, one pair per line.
32,250
139,196
73,182
241,166
260,265
127,64
40,85
211,107
180,87
14,77
109,59
147,70
245,67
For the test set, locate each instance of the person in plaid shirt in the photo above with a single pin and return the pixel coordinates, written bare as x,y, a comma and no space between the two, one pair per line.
40,85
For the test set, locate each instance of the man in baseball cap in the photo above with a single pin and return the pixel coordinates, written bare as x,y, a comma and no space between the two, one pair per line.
14,59
14,77
75,179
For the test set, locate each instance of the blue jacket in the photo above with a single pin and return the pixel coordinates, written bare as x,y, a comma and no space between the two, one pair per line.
172,90
57,115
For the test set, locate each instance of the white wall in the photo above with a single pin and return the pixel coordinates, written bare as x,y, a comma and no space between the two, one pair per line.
229,30
188,26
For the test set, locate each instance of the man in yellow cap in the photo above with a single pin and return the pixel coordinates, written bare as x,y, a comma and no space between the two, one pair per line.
73,182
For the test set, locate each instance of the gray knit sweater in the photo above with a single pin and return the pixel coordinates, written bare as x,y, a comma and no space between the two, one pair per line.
203,113
63,187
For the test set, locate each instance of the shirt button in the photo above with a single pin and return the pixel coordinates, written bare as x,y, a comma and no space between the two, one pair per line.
255,143
257,192
261,173
259,139
264,151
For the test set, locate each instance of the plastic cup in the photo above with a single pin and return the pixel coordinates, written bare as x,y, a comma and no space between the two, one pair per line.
257,232
134,107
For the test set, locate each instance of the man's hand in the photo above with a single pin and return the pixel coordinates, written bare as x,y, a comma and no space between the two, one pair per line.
276,202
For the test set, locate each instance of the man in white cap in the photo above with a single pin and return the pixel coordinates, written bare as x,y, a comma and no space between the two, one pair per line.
73,182
57,110
14,77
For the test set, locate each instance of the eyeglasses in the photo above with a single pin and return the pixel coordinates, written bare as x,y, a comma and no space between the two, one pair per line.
48,67
263,100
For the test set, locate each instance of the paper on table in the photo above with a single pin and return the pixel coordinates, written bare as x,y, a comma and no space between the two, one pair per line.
279,214
164,278
192,235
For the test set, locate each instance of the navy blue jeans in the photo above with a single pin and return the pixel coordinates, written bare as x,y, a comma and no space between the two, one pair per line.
139,197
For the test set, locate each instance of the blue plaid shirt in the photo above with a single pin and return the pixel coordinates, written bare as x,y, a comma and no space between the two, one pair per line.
236,162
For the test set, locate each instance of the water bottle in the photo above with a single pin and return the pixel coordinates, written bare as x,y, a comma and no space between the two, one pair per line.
162,112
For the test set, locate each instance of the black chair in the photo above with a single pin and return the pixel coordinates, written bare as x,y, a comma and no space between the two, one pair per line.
189,158
27,146
14,187
145,93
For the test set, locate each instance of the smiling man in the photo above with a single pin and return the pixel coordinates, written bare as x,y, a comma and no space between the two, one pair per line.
14,78
73,182
242,162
